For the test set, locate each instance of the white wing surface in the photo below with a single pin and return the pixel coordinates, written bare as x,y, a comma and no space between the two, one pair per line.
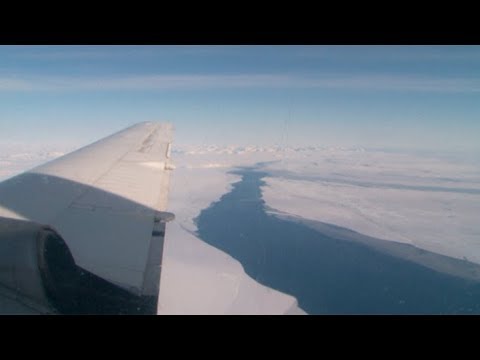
107,201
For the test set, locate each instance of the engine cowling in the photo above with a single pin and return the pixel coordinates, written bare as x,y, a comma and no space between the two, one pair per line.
37,266
36,263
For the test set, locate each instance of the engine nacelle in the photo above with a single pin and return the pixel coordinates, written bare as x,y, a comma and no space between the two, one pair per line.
37,267
35,263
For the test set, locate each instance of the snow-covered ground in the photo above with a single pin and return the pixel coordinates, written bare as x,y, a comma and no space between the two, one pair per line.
196,277
430,201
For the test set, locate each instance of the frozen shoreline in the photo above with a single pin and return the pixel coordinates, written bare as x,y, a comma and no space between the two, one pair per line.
441,263
394,197
197,278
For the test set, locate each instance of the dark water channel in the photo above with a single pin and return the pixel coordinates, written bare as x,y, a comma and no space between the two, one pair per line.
327,275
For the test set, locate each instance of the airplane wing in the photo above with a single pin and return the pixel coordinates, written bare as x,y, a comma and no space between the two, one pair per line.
84,233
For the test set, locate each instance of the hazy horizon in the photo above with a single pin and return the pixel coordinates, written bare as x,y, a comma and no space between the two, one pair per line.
408,97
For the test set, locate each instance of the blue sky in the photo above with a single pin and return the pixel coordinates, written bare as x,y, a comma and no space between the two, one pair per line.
414,97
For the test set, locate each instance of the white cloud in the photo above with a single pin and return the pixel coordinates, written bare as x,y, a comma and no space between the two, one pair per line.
192,82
